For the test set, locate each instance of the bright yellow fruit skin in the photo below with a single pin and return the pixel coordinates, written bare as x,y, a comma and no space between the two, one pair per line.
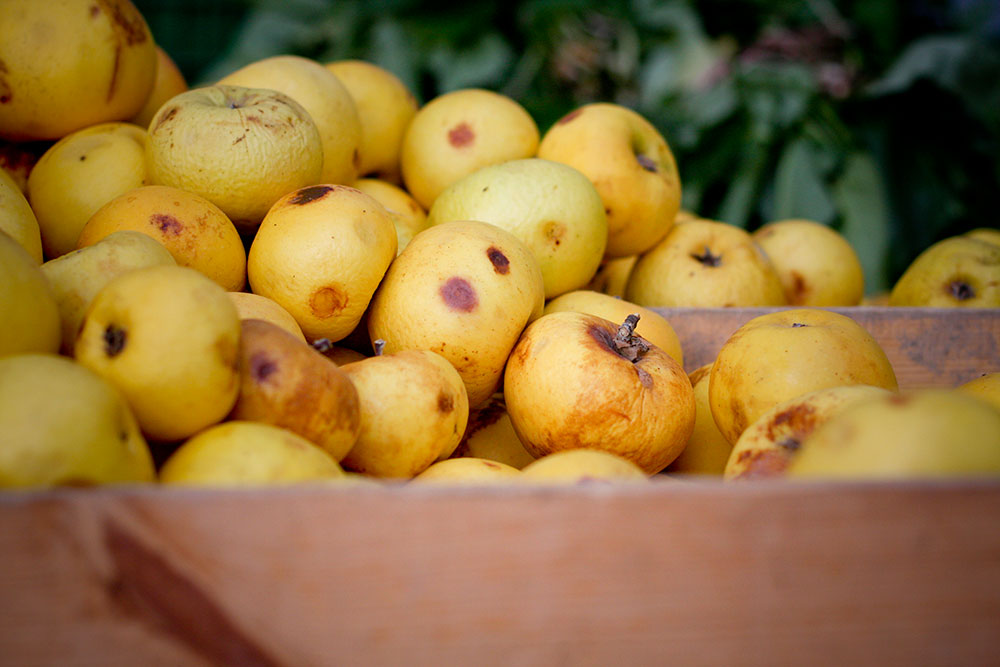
79,174
385,107
956,272
17,217
816,264
917,433
242,453
29,315
168,337
630,164
578,466
468,470
464,289
195,231
986,387
61,424
414,409
69,64
252,306
340,242
780,355
705,264
459,132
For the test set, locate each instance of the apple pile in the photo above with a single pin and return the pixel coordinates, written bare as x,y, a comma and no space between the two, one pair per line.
298,273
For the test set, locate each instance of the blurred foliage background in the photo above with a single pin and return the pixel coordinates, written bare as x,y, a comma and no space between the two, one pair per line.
880,118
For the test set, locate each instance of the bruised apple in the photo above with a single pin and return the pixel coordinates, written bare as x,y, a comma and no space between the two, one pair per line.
578,381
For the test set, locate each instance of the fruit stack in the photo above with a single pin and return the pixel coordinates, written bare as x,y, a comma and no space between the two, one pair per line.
299,273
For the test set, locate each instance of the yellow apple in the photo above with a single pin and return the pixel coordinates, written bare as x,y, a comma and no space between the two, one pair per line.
467,470
385,107
767,447
986,387
195,231
241,453
61,424
340,242
285,382
580,466
786,353
414,409
959,271
817,266
78,276
489,435
80,173
71,64
30,315
652,326
458,132
917,433
706,264
612,275
578,381
630,164
252,306
168,337
554,209
464,289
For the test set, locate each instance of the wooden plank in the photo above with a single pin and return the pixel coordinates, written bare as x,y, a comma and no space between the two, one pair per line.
927,347
690,572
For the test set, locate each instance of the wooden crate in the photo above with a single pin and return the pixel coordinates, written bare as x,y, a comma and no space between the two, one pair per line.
676,572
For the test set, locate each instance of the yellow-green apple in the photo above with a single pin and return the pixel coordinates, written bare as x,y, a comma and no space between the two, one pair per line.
959,271
554,209
630,164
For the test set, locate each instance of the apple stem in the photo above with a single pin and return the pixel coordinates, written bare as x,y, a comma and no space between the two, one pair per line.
378,345
323,345
627,343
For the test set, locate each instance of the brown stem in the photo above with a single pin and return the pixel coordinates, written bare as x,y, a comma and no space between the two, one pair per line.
378,345
323,345
627,343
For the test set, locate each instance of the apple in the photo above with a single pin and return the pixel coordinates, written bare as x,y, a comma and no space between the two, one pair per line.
578,381
782,354
707,450
464,289
414,409
17,218
78,276
582,466
767,446
554,209
816,264
285,382
467,470
959,271
458,132
630,164
489,435
923,433
169,81
986,387
385,108
407,215
652,326
707,264
323,96
79,174
240,148
71,64
31,321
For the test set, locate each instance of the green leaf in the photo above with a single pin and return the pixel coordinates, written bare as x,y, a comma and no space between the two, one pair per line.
800,189
863,203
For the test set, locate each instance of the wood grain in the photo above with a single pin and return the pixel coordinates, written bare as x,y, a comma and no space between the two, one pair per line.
694,572
928,347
